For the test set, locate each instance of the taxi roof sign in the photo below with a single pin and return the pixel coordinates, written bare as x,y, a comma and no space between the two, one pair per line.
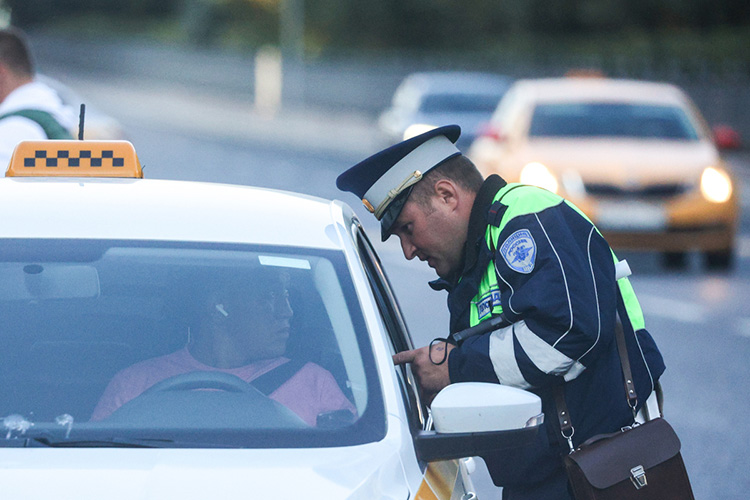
74,159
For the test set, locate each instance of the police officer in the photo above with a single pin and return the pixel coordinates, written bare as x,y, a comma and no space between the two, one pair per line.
29,109
534,263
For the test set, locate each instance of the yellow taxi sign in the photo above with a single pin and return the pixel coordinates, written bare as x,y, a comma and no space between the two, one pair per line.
74,159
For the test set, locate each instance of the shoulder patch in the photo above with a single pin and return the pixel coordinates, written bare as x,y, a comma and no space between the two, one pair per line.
519,251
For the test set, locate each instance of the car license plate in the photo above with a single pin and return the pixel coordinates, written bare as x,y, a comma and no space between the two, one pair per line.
631,216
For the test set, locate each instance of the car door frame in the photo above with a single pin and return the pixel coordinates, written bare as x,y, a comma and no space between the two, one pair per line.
395,325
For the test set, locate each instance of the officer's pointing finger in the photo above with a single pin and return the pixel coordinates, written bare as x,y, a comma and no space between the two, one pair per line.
404,357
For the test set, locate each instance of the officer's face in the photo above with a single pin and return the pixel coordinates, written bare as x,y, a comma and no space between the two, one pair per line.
433,233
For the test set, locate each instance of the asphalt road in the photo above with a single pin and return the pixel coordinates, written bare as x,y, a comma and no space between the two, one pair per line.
700,320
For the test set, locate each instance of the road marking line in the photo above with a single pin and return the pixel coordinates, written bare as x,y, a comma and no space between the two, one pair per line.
743,247
744,199
743,327
673,309
740,170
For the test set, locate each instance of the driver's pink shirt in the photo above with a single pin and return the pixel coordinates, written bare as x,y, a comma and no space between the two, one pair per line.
309,392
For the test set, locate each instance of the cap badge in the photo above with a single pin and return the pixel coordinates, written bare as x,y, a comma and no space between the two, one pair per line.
413,178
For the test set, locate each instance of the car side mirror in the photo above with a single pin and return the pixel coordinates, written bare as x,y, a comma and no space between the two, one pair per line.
475,418
726,137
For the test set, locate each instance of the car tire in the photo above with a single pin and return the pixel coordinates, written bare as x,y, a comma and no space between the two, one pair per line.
720,260
674,260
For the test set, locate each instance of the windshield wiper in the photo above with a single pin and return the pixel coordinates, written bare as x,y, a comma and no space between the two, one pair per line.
103,443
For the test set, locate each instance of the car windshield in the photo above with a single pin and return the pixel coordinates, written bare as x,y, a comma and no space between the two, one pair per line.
642,121
173,344
459,103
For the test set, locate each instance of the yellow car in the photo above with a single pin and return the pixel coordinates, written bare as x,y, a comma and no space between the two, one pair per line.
635,156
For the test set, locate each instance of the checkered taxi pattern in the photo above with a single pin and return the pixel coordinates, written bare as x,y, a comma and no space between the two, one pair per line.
64,158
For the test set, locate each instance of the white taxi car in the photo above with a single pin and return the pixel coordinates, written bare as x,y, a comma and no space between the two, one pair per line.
103,271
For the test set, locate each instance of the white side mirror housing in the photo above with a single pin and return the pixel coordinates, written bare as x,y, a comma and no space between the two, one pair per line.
474,419
484,407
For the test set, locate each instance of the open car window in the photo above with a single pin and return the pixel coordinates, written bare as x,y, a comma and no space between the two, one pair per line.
91,320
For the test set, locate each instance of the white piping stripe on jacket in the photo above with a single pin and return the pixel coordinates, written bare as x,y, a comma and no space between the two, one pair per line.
565,279
504,360
512,291
596,294
643,357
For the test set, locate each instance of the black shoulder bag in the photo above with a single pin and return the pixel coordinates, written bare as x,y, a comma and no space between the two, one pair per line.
642,461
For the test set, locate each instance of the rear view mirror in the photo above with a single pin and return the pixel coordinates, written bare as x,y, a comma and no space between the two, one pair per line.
21,281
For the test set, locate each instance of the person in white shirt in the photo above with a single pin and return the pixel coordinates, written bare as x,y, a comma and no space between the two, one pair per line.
29,109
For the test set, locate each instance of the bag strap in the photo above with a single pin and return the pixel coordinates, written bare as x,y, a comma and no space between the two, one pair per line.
52,128
566,427
622,349
563,415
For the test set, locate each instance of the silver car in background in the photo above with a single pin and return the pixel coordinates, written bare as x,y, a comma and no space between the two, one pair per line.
431,99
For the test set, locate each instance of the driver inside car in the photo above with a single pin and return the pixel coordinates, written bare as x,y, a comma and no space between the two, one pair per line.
243,330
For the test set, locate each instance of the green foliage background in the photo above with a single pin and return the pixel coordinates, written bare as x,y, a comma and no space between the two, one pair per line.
710,30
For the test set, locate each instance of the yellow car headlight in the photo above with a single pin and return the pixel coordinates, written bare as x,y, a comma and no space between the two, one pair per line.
537,174
716,186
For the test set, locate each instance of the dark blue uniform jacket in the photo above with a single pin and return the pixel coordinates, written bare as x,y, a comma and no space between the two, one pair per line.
561,295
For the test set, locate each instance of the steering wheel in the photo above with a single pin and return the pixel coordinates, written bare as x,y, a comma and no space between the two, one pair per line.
235,405
203,380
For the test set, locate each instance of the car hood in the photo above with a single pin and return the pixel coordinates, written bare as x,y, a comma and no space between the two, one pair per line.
623,161
358,472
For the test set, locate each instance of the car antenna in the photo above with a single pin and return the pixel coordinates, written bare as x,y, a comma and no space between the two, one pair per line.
81,116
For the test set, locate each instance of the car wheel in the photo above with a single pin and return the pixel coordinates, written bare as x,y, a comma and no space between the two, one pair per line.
674,260
720,260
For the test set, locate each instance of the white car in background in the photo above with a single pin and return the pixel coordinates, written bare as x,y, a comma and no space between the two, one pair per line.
432,99
100,269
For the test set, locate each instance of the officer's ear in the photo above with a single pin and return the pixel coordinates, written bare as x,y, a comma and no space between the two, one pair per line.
447,193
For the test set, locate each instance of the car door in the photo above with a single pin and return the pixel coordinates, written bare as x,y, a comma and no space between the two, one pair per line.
446,479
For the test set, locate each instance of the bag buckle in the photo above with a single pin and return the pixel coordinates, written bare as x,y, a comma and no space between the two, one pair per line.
638,477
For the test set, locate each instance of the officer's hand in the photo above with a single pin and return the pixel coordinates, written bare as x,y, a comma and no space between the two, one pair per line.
430,376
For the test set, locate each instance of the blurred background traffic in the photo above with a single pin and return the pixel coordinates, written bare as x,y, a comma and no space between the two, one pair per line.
697,44
289,93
